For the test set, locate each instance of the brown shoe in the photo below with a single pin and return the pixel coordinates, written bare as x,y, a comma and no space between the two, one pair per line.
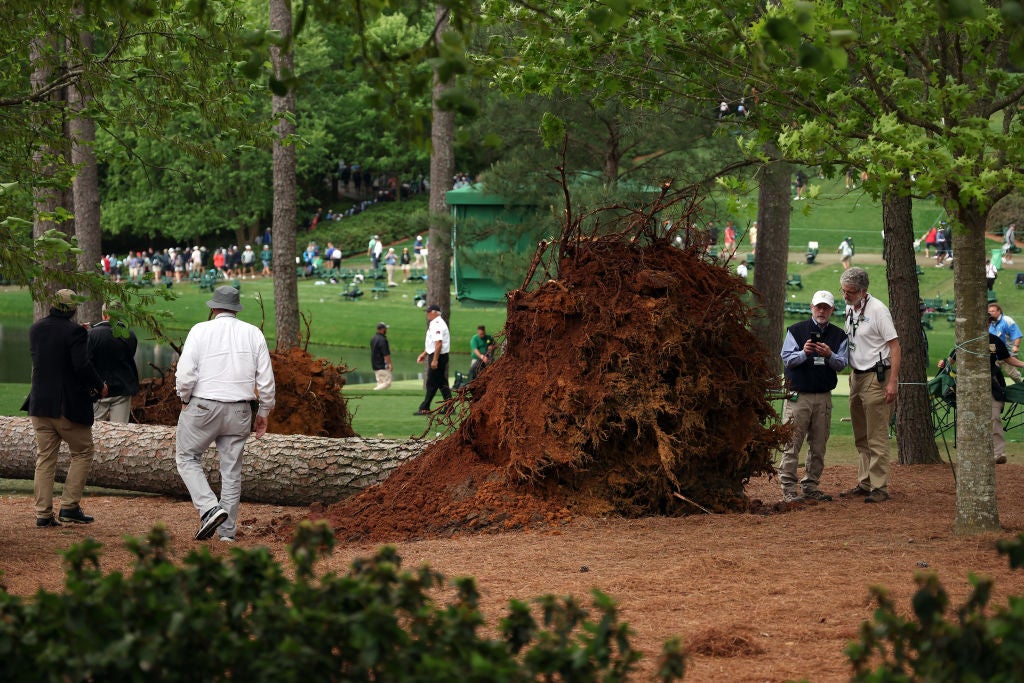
876,496
817,495
1000,459
855,491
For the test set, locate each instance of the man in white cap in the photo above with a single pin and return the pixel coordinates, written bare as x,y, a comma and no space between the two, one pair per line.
813,352
64,384
223,366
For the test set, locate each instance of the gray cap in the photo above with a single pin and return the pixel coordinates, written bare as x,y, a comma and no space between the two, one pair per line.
226,298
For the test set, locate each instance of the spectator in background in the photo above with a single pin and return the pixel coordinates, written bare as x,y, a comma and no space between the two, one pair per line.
390,264
1009,243
481,349
113,355
436,347
846,251
990,274
380,357
267,256
405,262
1008,332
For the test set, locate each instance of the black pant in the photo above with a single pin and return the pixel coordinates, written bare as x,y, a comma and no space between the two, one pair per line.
436,379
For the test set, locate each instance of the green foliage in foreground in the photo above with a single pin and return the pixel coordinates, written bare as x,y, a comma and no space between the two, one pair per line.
241,618
973,644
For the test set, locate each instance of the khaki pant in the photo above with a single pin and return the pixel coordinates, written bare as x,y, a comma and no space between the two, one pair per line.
50,431
870,415
998,435
811,417
383,379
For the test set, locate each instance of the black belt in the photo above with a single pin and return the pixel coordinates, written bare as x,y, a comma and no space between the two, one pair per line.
861,372
200,398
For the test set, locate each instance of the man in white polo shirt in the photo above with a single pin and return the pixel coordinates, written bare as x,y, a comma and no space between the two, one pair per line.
223,366
435,348
874,358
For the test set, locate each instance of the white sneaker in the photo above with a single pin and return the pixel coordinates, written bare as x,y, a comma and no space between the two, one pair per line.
227,539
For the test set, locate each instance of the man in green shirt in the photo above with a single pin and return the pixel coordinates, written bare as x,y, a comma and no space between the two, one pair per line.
481,348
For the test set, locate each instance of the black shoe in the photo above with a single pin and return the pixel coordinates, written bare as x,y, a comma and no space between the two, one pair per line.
422,412
75,515
817,495
209,522
47,521
855,491
876,496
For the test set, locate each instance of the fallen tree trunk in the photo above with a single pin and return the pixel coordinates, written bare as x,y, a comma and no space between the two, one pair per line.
285,469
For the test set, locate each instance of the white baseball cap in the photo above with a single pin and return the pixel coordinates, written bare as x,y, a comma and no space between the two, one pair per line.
823,297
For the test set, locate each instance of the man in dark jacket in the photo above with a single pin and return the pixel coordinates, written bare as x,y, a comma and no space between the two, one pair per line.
64,383
813,352
112,353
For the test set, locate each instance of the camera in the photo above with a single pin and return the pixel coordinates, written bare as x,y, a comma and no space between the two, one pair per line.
816,337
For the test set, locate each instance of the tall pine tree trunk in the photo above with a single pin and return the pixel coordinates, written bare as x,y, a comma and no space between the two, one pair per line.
976,508
46,198
773,211
442,170
286,287
914,435
85,188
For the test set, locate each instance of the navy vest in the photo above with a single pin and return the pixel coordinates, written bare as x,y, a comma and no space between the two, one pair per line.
807,377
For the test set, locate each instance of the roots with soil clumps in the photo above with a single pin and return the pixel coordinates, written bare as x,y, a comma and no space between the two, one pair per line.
630,385
308,393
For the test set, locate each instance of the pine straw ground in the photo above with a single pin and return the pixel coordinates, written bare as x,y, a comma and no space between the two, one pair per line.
755,597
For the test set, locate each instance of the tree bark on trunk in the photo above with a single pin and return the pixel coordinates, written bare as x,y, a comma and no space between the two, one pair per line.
86,190
45,199
278,469
976,507
442,169
914,434
286,287
773,212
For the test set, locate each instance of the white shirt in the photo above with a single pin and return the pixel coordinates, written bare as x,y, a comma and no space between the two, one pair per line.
437,330
869,331
225,359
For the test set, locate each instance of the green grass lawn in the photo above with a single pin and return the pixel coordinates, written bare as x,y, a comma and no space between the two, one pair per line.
335,322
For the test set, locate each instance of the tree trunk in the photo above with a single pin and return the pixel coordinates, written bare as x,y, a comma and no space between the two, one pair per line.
772,253
914,435
286,287
86,190
46,198
976,508
279,469
442,169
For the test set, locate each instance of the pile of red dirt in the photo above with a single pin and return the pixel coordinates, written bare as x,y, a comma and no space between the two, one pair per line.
629,385
309,399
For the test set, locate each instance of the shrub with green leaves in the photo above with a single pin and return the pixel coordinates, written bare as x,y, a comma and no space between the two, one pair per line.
976,643
242,619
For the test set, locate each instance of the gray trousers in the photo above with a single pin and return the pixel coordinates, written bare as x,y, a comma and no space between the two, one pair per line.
112,409
201,423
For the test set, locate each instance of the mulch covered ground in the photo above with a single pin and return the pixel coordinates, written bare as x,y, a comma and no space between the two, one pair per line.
755,597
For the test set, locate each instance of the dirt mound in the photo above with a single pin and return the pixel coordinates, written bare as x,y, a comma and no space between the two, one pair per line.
309,399
629,385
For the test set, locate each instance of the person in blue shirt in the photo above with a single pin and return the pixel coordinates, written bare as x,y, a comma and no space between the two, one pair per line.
813,352
1006,330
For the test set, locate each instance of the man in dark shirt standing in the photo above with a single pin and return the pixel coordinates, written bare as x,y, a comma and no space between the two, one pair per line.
380,357
64,383
112,353
813,352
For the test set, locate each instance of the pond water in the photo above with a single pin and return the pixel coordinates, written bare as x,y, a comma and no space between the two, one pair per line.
153,357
